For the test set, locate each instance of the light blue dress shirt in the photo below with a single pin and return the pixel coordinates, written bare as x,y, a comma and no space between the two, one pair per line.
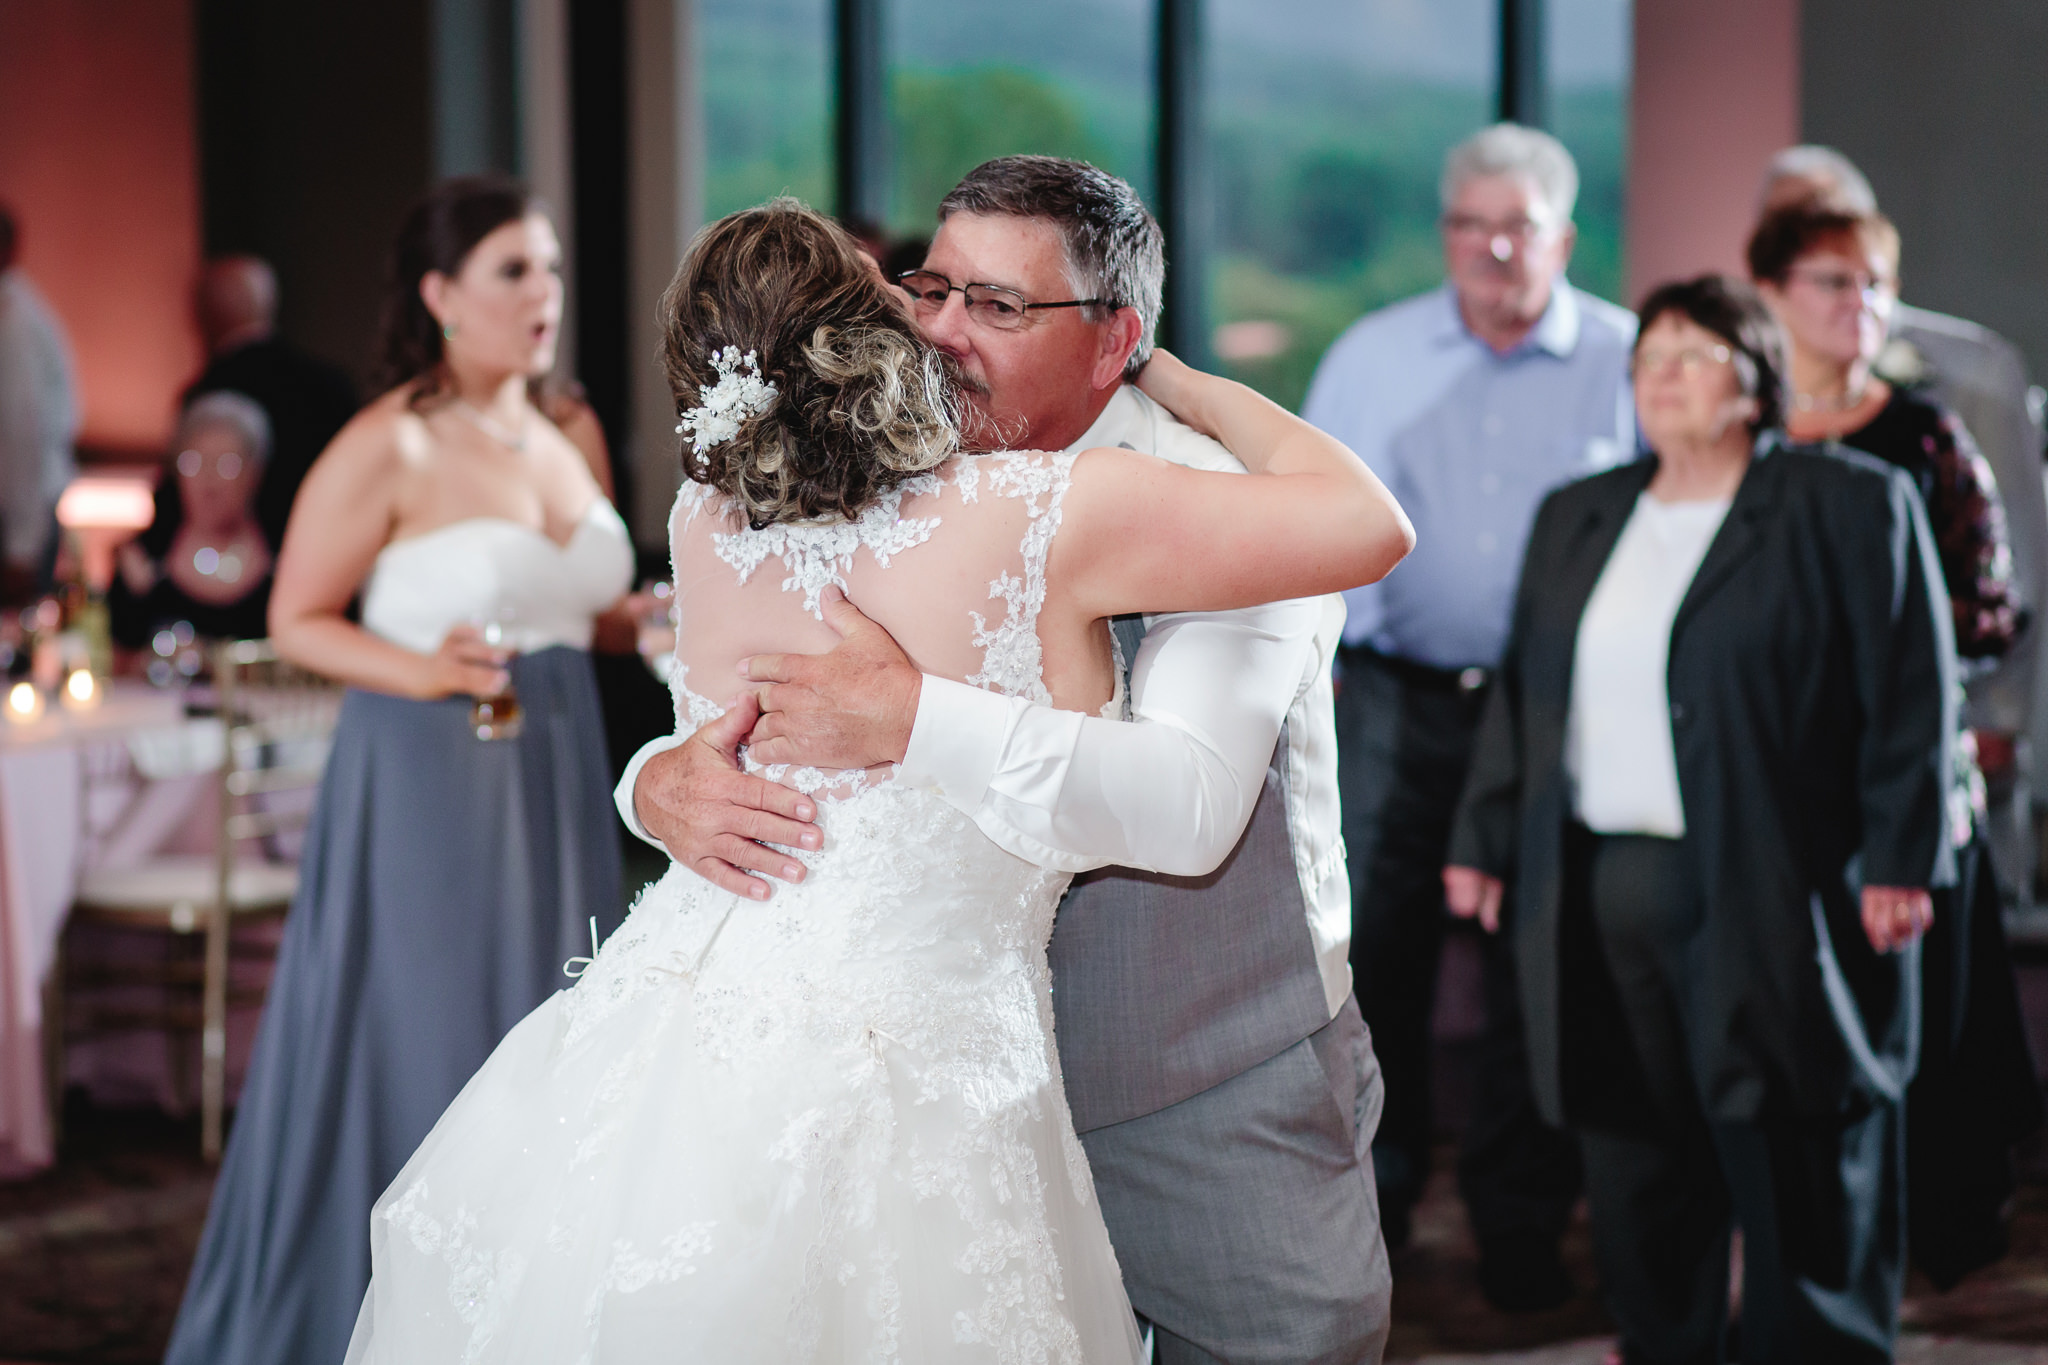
1470,440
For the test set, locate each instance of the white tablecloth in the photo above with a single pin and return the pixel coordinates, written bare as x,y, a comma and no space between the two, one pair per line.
42,833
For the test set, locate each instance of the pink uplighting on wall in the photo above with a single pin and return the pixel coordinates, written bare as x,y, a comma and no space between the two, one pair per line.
1715,92
97,157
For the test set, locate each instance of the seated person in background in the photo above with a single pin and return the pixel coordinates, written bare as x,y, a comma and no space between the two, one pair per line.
306,400
215,571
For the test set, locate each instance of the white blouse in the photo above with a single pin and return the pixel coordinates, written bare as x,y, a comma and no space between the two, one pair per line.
1617,749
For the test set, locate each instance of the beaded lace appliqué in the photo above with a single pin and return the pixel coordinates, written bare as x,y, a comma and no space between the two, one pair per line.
818,557
1012,661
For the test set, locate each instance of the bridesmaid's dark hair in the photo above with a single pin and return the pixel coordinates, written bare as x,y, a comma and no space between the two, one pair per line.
1731,310
438,234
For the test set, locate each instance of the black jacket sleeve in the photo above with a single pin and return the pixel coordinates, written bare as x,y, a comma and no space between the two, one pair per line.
1906,680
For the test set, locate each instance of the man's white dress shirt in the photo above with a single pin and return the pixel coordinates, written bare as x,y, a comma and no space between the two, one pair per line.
1172,789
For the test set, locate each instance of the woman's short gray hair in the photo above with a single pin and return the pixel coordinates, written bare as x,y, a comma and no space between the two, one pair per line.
226,408
1511,149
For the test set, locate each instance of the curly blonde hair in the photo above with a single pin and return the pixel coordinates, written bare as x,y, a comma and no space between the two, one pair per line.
864,401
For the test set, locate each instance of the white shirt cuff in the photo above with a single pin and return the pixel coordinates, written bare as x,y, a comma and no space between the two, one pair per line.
957,740
622,795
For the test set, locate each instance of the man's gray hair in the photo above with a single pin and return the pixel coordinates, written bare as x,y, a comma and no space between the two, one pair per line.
1511,149
1112,243
1817,165
226,408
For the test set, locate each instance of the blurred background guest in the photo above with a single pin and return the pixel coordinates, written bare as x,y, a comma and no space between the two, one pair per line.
1980,376
215,573
1831,279
447,877
306,399
1471,402
38,423
1830,276
1715,767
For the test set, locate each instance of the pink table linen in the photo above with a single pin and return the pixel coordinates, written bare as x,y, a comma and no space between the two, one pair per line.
42,835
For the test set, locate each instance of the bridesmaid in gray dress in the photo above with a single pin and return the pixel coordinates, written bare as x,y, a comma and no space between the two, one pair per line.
448,877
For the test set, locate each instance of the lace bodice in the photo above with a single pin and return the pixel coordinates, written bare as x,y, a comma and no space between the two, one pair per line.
952,563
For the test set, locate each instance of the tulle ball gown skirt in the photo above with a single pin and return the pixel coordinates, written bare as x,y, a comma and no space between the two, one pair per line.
445,882
823,1129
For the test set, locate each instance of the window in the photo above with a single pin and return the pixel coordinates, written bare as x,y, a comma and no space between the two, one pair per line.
974,79
766,67
1327,124
1587,58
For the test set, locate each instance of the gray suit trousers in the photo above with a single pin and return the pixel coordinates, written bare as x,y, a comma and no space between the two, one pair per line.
1245,1217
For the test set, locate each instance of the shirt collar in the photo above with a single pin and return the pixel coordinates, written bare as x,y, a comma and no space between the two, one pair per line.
1119,423
1556,332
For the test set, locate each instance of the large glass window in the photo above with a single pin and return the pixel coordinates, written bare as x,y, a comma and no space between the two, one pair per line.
1587,47
766,67
1328,121
973,79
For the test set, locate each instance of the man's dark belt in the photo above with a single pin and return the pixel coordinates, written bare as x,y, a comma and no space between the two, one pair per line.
1426,677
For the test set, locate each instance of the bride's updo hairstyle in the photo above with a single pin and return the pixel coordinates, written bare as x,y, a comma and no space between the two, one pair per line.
863,401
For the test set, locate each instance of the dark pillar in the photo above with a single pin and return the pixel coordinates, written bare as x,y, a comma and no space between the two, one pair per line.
1524,84
1183,168
599,160
314,136
861,125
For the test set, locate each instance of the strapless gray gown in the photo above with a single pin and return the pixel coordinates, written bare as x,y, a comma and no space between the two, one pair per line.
445,882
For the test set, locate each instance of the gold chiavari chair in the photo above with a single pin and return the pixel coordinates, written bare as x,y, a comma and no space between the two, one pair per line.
276,723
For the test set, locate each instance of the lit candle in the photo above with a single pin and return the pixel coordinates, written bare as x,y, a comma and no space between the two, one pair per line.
81,690
24,702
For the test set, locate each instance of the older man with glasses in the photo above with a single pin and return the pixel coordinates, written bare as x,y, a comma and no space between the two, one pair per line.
1472,401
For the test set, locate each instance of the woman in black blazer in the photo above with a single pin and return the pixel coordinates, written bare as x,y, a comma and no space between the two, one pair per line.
1713,770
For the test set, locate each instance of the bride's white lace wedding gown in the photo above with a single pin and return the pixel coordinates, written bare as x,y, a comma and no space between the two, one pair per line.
828,1127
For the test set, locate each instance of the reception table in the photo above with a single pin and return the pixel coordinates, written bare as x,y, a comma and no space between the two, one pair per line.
46,825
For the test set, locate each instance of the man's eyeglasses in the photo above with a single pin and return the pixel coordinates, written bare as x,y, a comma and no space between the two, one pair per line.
1689,361
1841,283
1521,230
988,304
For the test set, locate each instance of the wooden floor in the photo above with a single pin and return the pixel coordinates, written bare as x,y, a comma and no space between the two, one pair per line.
93,1257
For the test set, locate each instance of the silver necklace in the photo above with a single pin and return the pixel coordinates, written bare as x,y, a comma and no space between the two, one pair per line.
491,427
1807,402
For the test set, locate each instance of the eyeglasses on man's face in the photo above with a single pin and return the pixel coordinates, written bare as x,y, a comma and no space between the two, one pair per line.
1837,283
1521,229
1688,361
991,305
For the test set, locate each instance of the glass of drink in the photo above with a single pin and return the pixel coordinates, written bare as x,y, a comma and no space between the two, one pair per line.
498,716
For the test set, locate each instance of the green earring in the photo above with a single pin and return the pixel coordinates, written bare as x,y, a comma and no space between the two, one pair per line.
448,331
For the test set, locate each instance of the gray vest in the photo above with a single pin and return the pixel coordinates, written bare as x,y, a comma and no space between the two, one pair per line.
1165,986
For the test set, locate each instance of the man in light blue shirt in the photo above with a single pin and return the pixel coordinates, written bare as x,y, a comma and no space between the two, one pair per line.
1471,402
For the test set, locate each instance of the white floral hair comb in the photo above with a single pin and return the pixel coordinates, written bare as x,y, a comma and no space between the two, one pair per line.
732,400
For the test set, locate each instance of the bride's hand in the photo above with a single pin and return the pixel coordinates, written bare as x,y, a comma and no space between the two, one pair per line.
1176,386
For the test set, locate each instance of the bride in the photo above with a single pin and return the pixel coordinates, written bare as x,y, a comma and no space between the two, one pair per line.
830,1127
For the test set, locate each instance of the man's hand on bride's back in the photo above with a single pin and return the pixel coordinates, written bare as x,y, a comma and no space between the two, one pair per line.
719,821
850,707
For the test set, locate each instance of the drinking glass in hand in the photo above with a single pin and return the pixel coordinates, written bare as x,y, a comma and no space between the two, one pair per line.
499,715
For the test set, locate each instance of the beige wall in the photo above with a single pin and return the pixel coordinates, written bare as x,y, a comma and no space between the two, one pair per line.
1716,91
